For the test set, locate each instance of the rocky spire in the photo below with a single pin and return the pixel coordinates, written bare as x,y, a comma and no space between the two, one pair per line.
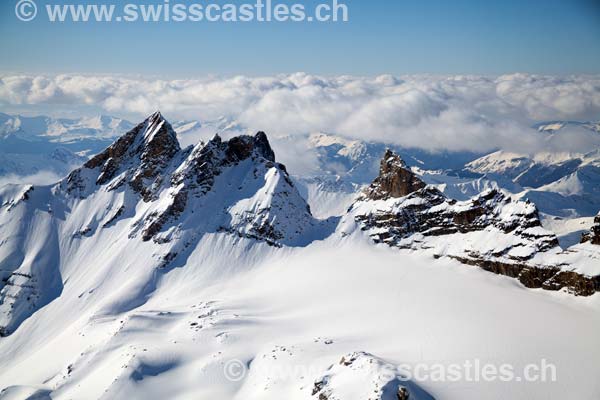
142,153
153,140
159,138
263,147
395,179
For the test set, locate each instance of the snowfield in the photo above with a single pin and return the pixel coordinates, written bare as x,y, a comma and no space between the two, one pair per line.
155,271
319,303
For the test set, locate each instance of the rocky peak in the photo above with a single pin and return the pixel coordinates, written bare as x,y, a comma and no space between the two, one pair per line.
207,160
395,179
242,147
240,187
159,138
263,147
152,139
491,230
593,236
196,176
139,156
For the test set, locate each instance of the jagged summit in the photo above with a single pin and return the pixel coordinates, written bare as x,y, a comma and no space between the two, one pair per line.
242,147
151,139
206,160
490,230
139,157
173,181
235,185
395,179
259,198
144,191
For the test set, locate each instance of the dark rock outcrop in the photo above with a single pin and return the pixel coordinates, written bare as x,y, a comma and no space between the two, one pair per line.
395,179
550,278
140,156
26,194
421,215
207,160
403,393
593,236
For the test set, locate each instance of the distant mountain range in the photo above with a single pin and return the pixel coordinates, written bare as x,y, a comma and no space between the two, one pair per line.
564,186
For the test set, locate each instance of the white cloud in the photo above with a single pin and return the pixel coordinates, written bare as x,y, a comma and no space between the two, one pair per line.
434,113
545,98
40,178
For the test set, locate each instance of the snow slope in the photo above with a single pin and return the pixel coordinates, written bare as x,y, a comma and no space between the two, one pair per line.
148,192
159,272
304,308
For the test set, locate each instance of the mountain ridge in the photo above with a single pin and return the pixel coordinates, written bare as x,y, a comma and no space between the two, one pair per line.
146,193
491,230
145,187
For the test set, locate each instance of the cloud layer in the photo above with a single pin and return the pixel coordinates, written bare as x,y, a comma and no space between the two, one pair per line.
433,113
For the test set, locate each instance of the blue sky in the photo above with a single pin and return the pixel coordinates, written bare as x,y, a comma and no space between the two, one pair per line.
382,36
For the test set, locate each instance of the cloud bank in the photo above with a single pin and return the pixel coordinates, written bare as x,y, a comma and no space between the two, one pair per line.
433,113
40,178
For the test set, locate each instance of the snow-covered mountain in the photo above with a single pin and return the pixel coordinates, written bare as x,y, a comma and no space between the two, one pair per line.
345,166
490,230
564,187
562,184
43,148
150,190
534,171
63,129
158,271
52,161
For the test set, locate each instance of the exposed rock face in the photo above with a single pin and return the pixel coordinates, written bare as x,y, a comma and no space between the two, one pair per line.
394,180
403,394
139,157
490,231
429,212
196,177
25,194
144,188
149,161
539,276
19,292
206,161
593,236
